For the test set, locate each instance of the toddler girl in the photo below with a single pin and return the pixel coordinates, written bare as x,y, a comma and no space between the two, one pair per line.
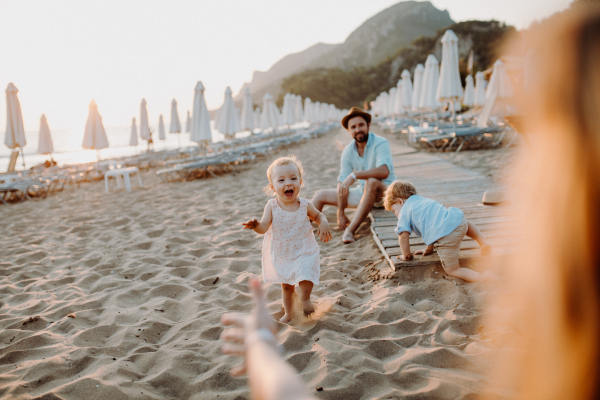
290,253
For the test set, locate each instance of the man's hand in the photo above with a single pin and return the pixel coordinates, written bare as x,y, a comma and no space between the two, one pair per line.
344,186
324,233
253,223
342,220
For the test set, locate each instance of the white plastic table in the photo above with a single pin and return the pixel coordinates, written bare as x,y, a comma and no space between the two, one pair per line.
122,174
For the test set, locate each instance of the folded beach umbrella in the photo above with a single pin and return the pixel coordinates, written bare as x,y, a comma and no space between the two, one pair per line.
299,109
308,110
144,124
385,99
288,110
469,96
15,132
247,120
407,91
431,77
94,136
449,85
45,145
269,113
161,128
417,84
188,122
479,89
324,112
332,113
175,124
499,82
394,104
133,140
228,123
200,122
257,117
316,112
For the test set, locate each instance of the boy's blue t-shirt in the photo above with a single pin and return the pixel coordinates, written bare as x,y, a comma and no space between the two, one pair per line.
427,218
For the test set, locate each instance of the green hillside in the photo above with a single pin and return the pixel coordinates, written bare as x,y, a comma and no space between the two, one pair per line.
355,86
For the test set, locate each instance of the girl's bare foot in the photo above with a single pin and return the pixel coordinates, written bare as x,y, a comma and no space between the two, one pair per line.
486,248
285,319
307,307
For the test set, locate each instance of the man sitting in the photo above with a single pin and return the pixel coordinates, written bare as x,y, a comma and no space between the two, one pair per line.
366,160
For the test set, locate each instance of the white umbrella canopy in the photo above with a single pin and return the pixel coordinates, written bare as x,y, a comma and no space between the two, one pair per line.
324,112
288,110
200,122
308,110
417,84
247,120
15,132
449,85
299,112
316,112
45,145
269,113
175,124
133,139
257,113
499,82
469,96
188,122
161,128
94,137
385,100
393,106
144,124
407,91
431,77
229,123
479,89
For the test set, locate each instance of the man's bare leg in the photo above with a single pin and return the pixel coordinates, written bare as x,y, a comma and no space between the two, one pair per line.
330,197
374,189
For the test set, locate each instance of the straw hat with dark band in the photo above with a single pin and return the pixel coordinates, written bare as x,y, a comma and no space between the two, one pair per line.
356,112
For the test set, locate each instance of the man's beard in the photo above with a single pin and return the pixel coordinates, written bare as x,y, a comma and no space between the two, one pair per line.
361,137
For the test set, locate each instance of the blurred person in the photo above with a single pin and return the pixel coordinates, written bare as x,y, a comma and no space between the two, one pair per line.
552,306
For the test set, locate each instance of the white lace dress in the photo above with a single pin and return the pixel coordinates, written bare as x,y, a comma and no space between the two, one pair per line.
290,252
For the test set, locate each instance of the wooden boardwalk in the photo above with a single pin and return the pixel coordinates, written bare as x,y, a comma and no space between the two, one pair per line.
453,186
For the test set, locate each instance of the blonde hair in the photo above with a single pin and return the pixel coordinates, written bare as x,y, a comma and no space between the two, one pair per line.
291,159
553,306
397,190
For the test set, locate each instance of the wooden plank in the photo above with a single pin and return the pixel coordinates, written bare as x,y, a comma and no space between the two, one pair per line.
387,232
496,238
381,248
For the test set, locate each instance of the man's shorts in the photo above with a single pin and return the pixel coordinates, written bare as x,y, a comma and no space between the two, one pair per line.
448,247
355,195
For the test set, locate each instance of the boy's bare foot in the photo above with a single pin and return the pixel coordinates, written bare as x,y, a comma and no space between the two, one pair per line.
285,319
308,308
486,249
348,237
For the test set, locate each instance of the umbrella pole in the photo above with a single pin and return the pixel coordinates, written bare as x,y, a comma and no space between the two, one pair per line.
453,119
179,139
98,154
23,156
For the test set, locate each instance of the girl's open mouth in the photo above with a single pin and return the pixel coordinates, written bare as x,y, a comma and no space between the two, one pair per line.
289,192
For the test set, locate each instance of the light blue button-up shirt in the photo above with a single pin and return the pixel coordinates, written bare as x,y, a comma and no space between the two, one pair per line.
377,153
427,218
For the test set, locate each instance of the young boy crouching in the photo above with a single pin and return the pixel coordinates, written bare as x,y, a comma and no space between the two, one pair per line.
442,229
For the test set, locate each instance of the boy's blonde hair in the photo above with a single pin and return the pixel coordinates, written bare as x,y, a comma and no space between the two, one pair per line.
398,190
291,159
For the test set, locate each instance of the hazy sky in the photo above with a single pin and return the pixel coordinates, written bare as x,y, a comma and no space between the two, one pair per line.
62,54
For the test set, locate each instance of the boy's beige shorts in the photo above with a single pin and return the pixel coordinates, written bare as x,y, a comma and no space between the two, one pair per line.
448,247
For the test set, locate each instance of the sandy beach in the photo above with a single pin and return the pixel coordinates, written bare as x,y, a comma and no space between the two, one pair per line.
120,295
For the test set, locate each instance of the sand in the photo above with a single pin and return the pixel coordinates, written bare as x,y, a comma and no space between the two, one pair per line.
119,296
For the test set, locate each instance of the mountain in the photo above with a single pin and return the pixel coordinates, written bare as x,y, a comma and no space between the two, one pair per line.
270,81
376,39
